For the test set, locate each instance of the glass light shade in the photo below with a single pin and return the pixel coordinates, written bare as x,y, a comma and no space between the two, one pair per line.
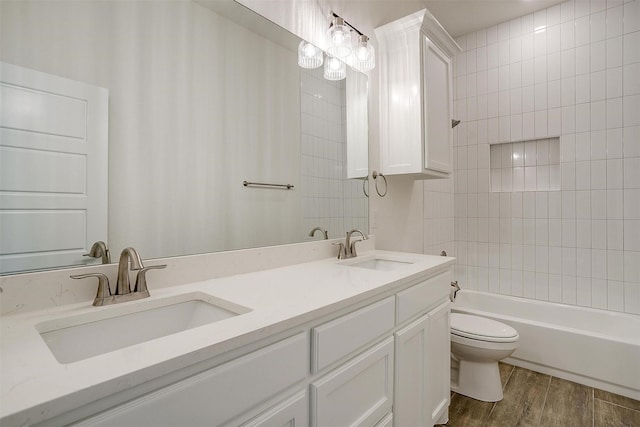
309,56
334,69
364,56
339,39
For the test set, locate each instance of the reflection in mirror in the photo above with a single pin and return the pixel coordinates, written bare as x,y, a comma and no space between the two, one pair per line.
201,97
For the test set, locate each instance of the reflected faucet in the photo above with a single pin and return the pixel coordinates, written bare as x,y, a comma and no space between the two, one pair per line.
320,229
100,250
128,255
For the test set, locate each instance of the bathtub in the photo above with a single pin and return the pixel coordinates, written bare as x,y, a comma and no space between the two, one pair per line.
597,348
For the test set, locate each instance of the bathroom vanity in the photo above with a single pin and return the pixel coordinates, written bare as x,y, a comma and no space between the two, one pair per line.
363,341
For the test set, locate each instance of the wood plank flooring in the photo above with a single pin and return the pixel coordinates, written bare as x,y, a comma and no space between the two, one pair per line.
539,400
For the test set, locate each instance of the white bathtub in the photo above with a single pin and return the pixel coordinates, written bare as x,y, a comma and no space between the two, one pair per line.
593,347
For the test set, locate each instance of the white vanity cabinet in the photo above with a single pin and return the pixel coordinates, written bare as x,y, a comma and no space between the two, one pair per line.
416,97
382,363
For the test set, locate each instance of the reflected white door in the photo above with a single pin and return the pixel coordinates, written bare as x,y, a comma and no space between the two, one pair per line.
53,169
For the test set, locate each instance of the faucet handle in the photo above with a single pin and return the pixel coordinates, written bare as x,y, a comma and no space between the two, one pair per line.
341,250
104,290
141,278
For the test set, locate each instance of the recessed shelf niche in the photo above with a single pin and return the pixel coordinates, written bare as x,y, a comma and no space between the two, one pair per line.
526,166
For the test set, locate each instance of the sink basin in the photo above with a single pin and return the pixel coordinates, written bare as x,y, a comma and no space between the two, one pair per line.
75,338
381,264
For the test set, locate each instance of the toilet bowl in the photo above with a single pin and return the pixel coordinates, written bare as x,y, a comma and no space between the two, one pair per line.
477,344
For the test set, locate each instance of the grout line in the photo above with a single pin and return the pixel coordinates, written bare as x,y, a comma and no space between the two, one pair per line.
615,404
544,403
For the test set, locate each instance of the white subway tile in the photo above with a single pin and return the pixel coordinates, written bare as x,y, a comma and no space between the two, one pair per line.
503,52
505,128
583,88
568,91
599,115
529,205
516,102
632,267
614,144
540,43
599,293
567,63
527,46
555,178
614,174
553,39
567,35
541,91
569,261
599,234
631,110
598,56
541,123
568,171
569,289
528,99
583,262
614,52
632,203
614,82
615,110
598,85
516,127
583,117
615,235
542,259
583,146
539,19
503,31
529,284
582,8
598,5
582,60
631,136
582,31
542,286
631,48
568,119
554,94
529,258
598,174
492,34
528,125
583,233
598,26
615,265
516,236
632,235
568,204
615,295
583,204
614,22
540,69
631,17
492,56
555,232
566,11
631,79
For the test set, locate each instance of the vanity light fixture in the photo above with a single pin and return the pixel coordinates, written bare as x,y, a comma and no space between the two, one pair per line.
364,54
339,35
309,56
334,69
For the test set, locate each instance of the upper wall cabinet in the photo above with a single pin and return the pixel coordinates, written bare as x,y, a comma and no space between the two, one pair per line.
416,97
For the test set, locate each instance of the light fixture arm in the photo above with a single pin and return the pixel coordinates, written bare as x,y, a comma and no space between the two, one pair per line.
335,15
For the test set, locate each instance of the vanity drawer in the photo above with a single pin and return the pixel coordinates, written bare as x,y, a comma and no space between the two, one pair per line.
338,338
218,395
358,393
418,298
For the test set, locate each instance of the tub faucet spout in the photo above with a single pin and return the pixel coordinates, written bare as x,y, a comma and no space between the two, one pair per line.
454,290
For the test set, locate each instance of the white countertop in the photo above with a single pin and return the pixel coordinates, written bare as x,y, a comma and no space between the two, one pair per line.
34,386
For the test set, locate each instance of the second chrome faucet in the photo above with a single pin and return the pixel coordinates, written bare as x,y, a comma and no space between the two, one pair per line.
348,248
129,260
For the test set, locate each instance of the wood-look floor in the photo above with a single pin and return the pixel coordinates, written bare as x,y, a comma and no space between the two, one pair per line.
535,399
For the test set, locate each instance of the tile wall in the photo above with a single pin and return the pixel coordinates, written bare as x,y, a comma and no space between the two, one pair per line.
329,200
570,71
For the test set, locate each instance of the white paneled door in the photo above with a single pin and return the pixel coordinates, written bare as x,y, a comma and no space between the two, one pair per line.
53,169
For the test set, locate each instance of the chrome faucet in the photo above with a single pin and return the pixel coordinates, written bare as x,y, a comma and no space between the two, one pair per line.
129,256
348,248
320,229
100,250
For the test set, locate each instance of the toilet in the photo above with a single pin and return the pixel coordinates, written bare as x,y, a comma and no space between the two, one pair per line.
477,344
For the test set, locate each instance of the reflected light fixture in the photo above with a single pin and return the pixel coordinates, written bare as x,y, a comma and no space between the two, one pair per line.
334,69
339,35
309,56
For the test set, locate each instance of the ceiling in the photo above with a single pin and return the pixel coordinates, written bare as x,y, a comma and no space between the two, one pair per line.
458,17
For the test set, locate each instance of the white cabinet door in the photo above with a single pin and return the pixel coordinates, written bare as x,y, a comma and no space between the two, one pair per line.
439,364
359,393
293,412
437,108
421,396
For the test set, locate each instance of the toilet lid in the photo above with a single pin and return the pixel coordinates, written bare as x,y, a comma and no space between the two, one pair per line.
481,328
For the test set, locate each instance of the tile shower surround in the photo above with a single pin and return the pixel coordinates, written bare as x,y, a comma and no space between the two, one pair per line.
570,71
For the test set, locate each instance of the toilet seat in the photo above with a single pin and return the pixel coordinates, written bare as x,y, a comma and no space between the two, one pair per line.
481,329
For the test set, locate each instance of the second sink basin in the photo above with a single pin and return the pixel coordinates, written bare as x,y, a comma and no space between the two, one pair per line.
381,264
79,337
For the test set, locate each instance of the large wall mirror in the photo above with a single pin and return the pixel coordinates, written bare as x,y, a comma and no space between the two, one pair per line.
202,96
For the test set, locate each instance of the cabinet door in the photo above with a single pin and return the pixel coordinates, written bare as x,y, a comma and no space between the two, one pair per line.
358,393
439,364
293,412
421,395
437,108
